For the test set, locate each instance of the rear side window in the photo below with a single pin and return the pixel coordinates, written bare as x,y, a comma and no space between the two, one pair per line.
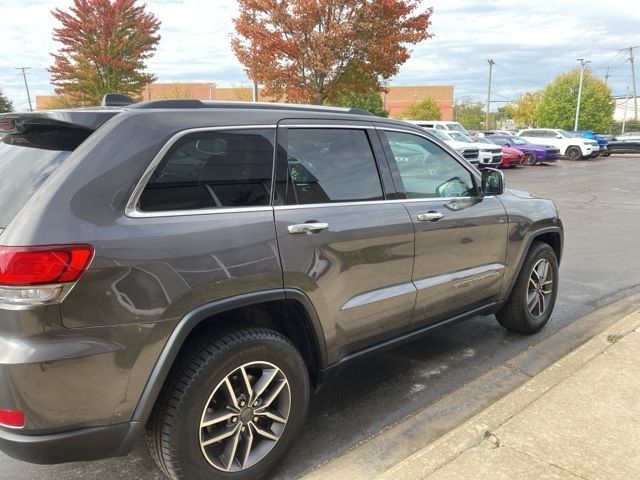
27,158
213,169
331,165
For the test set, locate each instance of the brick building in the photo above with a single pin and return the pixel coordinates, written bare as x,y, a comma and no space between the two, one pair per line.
395,100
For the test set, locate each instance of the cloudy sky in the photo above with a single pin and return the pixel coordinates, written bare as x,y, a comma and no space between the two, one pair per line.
529,41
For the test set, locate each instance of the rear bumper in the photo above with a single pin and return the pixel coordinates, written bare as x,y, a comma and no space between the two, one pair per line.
72,446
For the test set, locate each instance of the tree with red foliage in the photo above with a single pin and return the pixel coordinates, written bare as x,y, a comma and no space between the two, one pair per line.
314,51
104,48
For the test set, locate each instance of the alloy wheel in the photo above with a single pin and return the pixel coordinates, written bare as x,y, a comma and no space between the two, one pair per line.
245,416
540,288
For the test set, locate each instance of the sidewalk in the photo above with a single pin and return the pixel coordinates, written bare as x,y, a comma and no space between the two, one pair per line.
578,419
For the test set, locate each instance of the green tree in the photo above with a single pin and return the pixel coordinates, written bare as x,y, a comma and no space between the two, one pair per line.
524,109
371,102
469,113
426,109
557,107
5,104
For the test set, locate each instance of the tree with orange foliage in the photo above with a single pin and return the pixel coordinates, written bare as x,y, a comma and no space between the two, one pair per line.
311,51
104,48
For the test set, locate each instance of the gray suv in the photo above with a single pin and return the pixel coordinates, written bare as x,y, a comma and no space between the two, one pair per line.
190,271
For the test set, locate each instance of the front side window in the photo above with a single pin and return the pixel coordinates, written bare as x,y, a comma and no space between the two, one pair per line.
213,169
426,170
330,165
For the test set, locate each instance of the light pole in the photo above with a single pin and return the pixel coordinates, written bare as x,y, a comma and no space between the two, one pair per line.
486,120
26,85
624,118
583,64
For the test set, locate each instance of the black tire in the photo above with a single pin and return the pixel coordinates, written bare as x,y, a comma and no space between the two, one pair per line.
606,154
573,153
174,431
515,314
529,159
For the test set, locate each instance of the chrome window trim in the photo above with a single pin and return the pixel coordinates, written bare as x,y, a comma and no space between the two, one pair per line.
200,211
131,210
372,202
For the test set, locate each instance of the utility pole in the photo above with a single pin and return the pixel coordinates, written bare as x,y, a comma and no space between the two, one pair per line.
624,117
255,91
583,64
633,80
606,77
486,120
26,85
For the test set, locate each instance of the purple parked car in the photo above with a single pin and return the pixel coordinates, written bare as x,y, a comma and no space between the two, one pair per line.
533,153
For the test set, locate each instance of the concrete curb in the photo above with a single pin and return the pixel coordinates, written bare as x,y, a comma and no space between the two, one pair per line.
473,432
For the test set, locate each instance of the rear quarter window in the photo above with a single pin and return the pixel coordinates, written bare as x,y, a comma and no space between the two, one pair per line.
213,169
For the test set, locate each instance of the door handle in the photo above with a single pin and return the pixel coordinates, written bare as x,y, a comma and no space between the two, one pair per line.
311,227
430,216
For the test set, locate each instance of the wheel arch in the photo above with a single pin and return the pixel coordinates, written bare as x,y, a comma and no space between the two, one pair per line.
552,236
299,323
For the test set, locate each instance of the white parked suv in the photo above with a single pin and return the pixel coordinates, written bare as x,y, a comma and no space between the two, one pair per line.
571,147
468,150
440,125
488,155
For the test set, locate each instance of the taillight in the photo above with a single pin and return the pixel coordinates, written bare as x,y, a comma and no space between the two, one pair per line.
24,266
33,275
11,418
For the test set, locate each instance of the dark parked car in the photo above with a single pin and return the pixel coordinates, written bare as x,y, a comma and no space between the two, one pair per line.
193,270
628,146
533,154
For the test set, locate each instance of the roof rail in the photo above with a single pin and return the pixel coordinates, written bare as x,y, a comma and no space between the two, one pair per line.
116,100
184,104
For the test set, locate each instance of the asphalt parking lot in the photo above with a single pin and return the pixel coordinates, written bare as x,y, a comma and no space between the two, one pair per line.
600,207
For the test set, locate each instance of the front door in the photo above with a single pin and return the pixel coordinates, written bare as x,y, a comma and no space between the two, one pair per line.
461,237
342,241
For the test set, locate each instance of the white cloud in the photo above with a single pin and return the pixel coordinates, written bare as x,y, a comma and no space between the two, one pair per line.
530,43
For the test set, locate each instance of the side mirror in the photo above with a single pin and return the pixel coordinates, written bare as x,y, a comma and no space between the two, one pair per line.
492,181
558,135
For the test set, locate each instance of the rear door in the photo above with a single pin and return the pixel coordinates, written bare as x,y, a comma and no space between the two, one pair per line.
461,237
343,239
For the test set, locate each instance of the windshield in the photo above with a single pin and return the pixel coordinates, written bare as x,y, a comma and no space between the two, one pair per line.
460,137
22,171
437,134
566,134
518,141
457,127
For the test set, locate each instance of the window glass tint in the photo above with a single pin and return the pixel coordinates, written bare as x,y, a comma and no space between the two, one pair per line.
22,171
213,169
331,165
426,170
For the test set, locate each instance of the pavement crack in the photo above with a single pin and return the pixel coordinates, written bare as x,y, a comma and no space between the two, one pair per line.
544,460
517,369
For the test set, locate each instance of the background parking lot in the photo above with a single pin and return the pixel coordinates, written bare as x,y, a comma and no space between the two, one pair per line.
600,208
